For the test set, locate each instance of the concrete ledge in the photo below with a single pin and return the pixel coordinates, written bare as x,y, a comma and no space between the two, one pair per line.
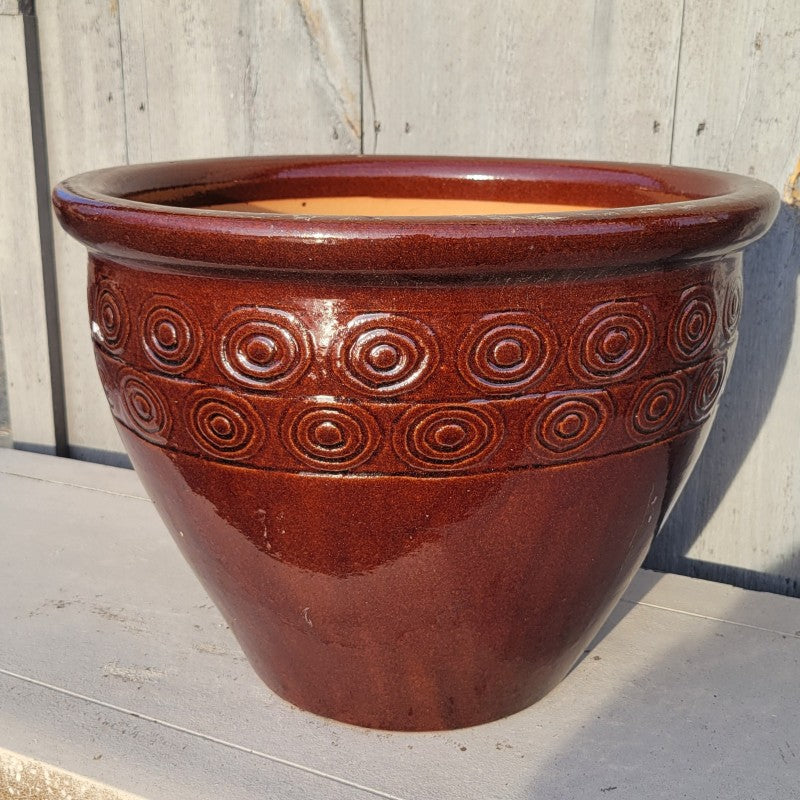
115,666
22,777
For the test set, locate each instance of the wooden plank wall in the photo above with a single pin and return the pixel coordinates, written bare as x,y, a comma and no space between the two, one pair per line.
22,295
697,82
566,79
738,109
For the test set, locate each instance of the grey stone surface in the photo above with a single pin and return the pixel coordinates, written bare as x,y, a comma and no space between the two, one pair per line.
115,665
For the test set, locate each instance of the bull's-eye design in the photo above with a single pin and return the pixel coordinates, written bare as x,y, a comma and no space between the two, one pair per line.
171,335
263,348
224,424
385,354
692,327
508,352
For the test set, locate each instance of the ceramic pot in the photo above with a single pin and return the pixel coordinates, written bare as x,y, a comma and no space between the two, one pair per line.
414,422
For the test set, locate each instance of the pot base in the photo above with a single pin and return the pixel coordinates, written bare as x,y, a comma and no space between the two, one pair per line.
459,604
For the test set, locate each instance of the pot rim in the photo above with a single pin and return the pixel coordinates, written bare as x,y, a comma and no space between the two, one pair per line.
651,214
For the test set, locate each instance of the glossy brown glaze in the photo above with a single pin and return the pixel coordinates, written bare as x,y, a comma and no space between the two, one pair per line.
414,461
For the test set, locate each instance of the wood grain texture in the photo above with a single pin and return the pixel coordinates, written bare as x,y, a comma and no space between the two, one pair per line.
738,109
83,101
141,81
14,7
24,327
261,77
583,79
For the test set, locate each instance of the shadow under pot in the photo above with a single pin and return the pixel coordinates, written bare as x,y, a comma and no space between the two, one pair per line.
414,422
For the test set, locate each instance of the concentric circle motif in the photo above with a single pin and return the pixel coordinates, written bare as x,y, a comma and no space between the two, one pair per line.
223,424
330,437
707,389
569,424
385,354
146,409
656,407
611,342
110,318
170,335
507,352
732,308
447,437
692,326
264,348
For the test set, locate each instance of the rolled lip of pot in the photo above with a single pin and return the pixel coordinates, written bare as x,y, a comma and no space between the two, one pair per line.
647,215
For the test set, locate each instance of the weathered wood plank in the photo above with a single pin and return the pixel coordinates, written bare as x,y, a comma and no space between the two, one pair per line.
583,79
14,7
84,112
738,109
201,83
24,323
144,80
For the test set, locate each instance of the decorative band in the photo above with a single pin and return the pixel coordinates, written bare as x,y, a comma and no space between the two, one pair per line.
387,356
327,434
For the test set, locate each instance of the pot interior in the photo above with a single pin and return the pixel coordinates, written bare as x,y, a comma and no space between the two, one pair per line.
365,206
413,187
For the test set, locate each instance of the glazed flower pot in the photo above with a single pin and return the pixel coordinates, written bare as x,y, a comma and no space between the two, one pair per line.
414,422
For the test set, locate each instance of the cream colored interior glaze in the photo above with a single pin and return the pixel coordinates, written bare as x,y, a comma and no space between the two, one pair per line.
362,206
